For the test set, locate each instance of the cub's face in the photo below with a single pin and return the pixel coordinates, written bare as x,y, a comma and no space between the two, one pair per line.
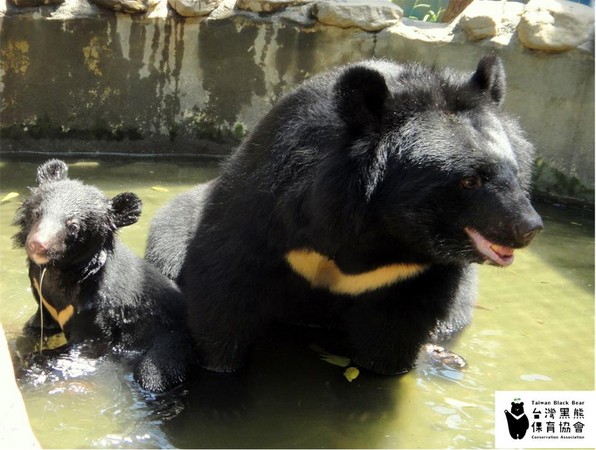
65,223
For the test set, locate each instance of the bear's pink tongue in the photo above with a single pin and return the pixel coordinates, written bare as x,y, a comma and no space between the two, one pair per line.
497,254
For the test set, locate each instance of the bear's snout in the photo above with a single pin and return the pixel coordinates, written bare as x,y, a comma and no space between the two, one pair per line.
35,247
38,249
527,229
525,237
43,245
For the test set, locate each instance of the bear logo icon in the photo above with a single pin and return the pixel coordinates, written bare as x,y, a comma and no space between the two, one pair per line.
517,420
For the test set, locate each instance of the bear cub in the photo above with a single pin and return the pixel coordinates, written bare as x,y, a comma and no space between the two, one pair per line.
92,287
360,202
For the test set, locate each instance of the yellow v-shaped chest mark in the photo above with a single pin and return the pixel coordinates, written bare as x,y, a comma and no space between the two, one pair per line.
59,316
322,272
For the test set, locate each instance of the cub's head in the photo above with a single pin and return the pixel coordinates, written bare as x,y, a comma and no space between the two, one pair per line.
64,222
444,173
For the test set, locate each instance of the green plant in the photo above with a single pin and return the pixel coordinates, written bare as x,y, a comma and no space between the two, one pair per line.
429,16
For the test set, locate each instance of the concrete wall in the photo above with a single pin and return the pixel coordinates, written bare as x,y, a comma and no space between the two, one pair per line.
90,80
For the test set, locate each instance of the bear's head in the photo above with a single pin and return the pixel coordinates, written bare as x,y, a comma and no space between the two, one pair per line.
64,223
443,173
517,408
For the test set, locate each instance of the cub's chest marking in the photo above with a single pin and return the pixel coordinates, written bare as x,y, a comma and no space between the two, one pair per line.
322,272
59,316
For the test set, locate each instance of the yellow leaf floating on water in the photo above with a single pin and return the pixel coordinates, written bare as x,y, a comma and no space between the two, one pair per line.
160,189
336,360
9,196
351,373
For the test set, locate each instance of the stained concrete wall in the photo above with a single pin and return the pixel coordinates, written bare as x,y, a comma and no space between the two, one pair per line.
97,81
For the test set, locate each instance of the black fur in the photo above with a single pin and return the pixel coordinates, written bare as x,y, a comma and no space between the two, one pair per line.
117,299
167,251
370,165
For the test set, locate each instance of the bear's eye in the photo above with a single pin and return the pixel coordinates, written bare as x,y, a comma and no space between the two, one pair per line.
35,214
73,226
471,182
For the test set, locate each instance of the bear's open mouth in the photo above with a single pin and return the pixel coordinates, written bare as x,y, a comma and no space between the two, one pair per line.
495,253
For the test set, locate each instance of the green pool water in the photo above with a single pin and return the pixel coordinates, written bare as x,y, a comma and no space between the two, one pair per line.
533,330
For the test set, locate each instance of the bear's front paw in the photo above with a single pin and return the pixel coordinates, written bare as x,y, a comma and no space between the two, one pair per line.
440,355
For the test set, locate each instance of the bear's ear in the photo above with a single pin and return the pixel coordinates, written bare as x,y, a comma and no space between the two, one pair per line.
126,208
52,170
490,78
361,93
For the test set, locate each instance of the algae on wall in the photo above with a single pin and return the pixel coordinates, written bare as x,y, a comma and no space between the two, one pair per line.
152,86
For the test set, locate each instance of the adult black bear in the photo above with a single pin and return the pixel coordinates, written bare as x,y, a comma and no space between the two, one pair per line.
88,284
360,201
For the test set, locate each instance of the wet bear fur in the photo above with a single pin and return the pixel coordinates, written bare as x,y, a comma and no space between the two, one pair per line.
94,288
167,251
360,202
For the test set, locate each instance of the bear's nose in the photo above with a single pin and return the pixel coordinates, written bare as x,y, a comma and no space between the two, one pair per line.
36,247
527,230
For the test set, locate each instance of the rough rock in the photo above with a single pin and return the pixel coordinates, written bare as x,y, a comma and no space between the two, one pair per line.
72,9
555,25
268,6
299,15
371,15
420,31
158,10
35,3
194,8
224,10
482,19
512,12
126,6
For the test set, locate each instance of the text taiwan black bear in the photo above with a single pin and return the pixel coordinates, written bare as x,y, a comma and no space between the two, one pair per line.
88,284
360,201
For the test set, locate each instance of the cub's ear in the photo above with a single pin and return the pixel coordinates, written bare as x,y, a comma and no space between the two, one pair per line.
490,78
361,93
52,170
126,208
